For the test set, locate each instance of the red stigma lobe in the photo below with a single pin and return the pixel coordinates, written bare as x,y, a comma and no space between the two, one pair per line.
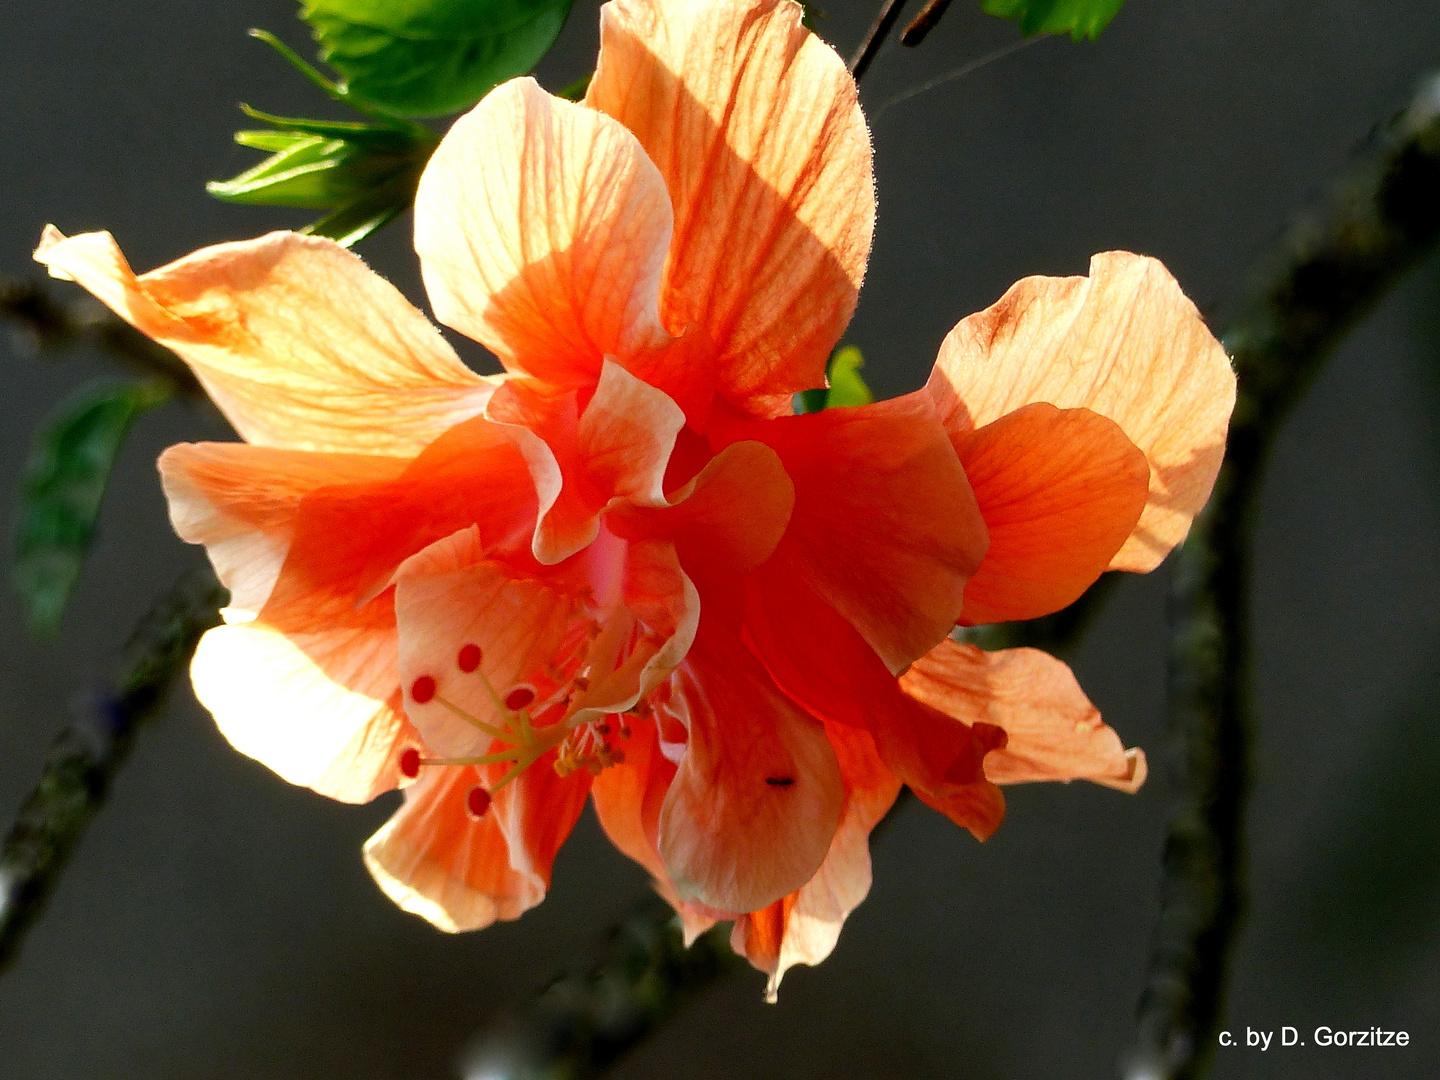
477,802
469,658
410,763
518,698
422,689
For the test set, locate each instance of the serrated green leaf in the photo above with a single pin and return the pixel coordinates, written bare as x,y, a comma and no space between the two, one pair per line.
1078,18
432,57
64,483
847,388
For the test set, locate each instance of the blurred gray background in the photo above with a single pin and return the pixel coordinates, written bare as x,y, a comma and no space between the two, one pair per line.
218,923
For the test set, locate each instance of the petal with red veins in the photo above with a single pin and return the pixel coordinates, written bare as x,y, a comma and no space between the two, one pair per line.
296,340
1124,342
437,861
1054,733
242,503
754,123
542,227
758,794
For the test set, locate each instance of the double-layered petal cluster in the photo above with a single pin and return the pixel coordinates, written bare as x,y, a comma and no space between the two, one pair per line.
623,569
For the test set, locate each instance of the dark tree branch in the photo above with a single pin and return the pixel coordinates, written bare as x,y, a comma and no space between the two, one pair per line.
1327,272
92,747
45,324
920,26
879,31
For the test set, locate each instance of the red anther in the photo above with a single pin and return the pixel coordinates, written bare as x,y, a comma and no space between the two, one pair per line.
518,698
422,689
477,802
469,658
410,763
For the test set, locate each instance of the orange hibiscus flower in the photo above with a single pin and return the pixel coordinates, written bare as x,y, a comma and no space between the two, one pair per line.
623,569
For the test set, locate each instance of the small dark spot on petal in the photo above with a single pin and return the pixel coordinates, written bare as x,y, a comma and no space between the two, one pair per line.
779,781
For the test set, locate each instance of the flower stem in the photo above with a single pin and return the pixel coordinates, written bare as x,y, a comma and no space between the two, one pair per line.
1327,272
885,20
90,750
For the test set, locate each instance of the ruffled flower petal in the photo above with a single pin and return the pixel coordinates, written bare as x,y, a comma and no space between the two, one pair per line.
1124,342
242,503
436,860
296,340
320,709
802,928
758,795
754,123
1060,492
885,528
542,227
1053,731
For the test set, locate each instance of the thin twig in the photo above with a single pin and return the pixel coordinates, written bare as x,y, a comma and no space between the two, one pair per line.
879,31
920,26
88,752
968,68
1328,270
44,324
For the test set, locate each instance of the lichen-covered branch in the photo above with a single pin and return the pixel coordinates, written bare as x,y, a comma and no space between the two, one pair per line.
586,1019
41,323
91,748
1328,270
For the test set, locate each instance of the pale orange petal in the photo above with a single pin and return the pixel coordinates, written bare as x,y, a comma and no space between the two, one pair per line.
803,927
758,794
298,342
242,501
437,861
542,227
1060,492
755,125
885,527
1125,343
1054,732
322,709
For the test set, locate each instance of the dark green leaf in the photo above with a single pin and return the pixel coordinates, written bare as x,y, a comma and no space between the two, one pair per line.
64,483
432,57
1078,18
846,386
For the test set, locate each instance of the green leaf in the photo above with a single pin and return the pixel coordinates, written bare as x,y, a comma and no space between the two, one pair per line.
364,174
1078,18
847,388
432,57
65,477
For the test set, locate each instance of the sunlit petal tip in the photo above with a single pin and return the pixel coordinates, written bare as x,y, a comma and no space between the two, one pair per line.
1124,342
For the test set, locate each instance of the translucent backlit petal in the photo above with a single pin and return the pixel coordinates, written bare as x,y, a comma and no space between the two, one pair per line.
296,340
754,123
1124,342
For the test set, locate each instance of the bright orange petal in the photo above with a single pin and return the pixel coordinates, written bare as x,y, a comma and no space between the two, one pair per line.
1054,732
542,229
321,709
758,794
818,659
802,928
885,527
1060,491
755,125
1125,343
242,502
615,451
297,341
732,514
436,861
